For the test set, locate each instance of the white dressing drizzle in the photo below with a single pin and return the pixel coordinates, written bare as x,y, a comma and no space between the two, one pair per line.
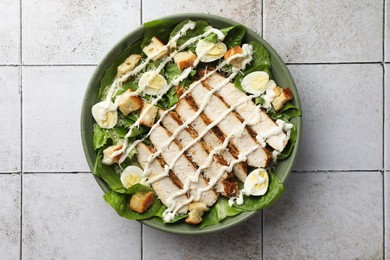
125,151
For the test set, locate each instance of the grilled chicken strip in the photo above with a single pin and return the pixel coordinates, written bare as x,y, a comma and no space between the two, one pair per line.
183,168
231,95
214,109
226,185
164,187
186,110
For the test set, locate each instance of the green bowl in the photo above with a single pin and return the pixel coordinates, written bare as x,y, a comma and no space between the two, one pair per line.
280,73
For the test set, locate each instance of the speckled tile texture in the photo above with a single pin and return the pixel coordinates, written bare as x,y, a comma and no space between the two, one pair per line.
337,200
323,216
9,32
50,108
342,107
65,217
325,31
74,31
247,12
9,216
241,242
10,151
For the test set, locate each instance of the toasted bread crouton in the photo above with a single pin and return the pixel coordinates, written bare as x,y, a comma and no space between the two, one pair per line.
184,59
107,159
128,103
196,212
280,100
141,201
148,114
154,46
128,64
236,62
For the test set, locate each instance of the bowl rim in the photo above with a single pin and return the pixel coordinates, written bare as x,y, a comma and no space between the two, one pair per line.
139,30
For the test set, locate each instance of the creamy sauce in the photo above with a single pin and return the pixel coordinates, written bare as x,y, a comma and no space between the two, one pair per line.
125,151
173,207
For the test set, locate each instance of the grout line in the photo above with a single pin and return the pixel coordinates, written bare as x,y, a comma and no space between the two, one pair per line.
81,172
59,65
287,63
142,241
383,128
262,234
331,171
262,18
141,12
21,128
334,63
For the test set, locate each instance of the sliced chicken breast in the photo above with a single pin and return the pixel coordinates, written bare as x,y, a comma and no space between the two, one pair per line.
231,95
229,125
226,185
183,167
186,110
164,187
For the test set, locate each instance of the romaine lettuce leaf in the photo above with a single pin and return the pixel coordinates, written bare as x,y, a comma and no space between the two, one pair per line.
254,203
111,72
222,210
199,29
120,202
234,35
290,145
100,136
159,28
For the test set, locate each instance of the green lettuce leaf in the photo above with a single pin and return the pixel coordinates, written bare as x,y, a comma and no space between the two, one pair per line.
100,136
174,220
120,202
159,28
290,111
199,29
260,57
254,203
234,35
290,145
111,72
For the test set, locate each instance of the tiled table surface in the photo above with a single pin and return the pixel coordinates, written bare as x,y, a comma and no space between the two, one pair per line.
337,201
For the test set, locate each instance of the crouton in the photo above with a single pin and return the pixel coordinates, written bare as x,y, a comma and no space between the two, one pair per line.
148,114
280,100
141,201
107,159
128,103
154,46
128,64
184,59
196,212
236,62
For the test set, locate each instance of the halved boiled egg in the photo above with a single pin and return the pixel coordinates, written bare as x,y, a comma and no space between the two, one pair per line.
153,83
131,175
255,82
256,184
105,114
212,54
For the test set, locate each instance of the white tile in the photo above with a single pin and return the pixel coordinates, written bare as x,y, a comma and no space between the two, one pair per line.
327,216
10,118
342,107
9,216
10,32
247,12
387,117
241,242
325,31
65,217
52,98
75,31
